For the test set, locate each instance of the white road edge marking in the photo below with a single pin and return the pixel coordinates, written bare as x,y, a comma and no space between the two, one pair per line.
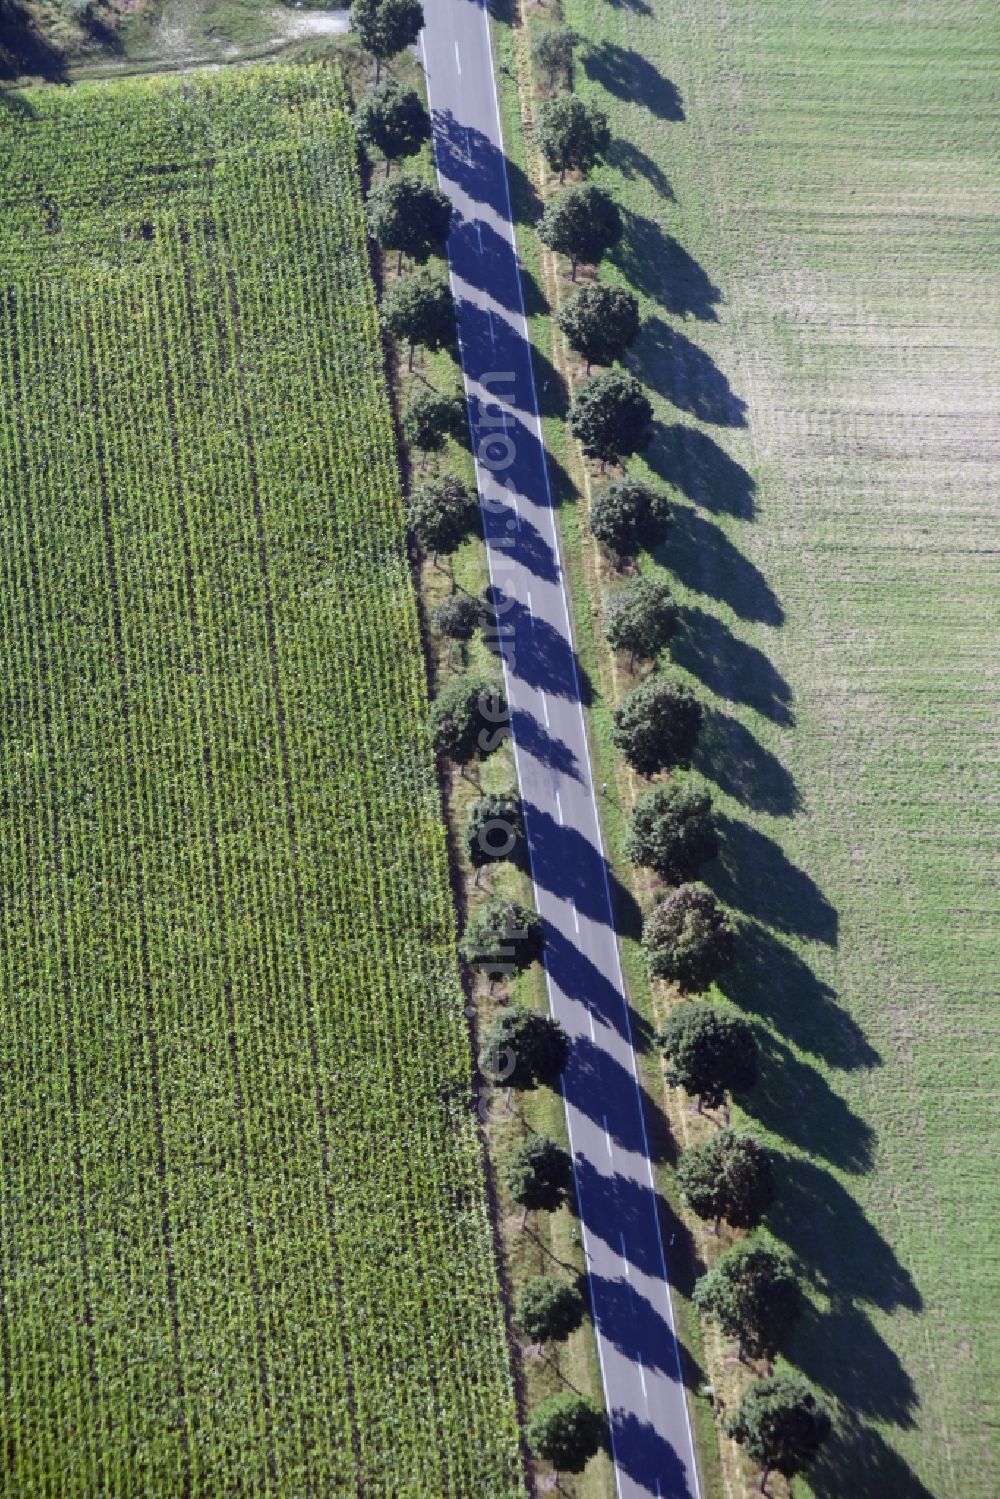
590,1008
545,709
559,808
458,60
607,1134
642,1380
530,609
576,923
479,236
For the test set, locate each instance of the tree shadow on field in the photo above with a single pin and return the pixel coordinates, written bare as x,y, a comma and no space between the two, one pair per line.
840,1350
24,51
858,1461
685,375
658,266
641,7
771,980
728,754
732,668
633,162
793,1099
695,464
705,560
845,1256
755,875
100,32
628,75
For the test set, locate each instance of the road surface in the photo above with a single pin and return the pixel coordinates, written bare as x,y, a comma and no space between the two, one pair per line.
650,1426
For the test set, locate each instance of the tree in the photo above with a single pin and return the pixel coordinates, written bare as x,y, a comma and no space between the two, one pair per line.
385,27
458,617
540,1175
468,718
610,416
753,1295
566,1431
710,1052
441,514
392,119
783,1423
495,830
503,937
640,618
688,938
571,134
626,515
553,51
410,216
549,1310
431,418
730,1177
524,1050
657,724
419,310
582,223
601,323
671,830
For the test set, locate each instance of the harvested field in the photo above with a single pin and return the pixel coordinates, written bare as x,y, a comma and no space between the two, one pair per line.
811,200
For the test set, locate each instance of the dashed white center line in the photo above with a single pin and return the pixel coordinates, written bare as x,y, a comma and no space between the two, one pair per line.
493,331
642,1379
530,609
559,808
545,709
576,923
628,1275
607,1134
458,60
479,237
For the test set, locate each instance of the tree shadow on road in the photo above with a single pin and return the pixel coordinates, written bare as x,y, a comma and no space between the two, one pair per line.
468,158
571,867
535,652
534,739
647,1457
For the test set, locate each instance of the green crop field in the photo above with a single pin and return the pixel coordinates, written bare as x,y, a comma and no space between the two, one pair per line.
811,196
244,1239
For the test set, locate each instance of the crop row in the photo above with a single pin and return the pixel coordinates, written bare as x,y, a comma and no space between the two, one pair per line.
244,1240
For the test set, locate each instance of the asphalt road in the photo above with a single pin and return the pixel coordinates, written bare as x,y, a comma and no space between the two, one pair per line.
650,1425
